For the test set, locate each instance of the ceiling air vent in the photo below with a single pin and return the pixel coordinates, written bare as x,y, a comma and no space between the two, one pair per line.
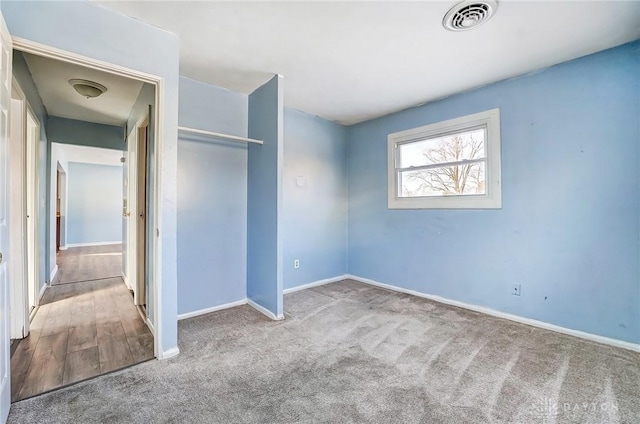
469,14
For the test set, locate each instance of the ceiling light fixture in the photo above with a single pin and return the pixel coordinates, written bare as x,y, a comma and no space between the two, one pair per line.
86,88
469,14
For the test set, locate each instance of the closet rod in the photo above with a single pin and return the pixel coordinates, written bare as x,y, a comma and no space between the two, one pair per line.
219,135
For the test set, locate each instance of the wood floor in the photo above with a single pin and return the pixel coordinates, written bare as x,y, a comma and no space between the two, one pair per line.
80,330
88,263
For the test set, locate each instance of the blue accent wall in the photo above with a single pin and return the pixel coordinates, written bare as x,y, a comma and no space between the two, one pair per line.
22,74
94,209
315,198
568,230
264,197
81,133
212,198
155,52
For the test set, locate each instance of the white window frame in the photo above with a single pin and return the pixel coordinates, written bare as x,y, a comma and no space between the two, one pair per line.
492,199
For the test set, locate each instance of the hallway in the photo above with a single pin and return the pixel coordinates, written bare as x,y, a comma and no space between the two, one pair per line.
82,328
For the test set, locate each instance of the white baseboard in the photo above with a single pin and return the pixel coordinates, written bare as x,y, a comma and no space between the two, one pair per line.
316,283
528,321
212,309
264,310
126,281
54,271
42,290
168,354
96,243
151,327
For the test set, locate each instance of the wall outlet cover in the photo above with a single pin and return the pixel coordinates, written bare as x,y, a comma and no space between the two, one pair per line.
516,289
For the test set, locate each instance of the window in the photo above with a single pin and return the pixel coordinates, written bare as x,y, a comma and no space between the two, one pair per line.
453,164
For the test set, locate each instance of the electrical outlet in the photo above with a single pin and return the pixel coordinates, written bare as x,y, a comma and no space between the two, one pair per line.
516,289
296,263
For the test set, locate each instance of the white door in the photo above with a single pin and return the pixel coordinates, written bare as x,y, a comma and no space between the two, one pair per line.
5,105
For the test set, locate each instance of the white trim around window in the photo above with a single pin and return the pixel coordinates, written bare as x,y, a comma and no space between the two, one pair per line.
489,197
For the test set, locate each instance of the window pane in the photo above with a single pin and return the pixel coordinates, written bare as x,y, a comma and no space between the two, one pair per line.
446,181
451,148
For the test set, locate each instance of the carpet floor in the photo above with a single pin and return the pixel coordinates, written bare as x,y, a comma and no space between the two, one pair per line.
352,353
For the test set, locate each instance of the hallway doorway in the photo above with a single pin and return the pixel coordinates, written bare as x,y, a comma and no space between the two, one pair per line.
87,321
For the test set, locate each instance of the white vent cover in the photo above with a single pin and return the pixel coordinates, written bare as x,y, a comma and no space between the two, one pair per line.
469,14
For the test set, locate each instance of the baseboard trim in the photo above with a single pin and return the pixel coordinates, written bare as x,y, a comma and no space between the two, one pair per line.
54,271
488,311
168,354
97,243
151,327
316,284
126,280
42,290
212,309
63,247
264,310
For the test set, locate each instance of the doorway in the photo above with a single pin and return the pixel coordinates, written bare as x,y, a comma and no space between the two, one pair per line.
24,147
90,323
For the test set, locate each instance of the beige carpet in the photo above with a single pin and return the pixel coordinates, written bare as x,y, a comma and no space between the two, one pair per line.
78,264
351,353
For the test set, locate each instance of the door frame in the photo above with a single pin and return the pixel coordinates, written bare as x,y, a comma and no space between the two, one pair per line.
22,240
34,193
17,207
5,221
31,47
134,282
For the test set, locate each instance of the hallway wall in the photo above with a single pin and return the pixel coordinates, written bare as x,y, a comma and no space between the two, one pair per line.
25,80
94,211
82,133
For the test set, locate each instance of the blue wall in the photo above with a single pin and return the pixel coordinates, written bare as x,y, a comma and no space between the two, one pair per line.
81,133
155,52
568,230
314,215
206,106
25,80
94,209
212,199
264,197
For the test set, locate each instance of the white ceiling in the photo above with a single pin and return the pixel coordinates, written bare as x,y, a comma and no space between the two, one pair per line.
61,99
84,154
352,61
